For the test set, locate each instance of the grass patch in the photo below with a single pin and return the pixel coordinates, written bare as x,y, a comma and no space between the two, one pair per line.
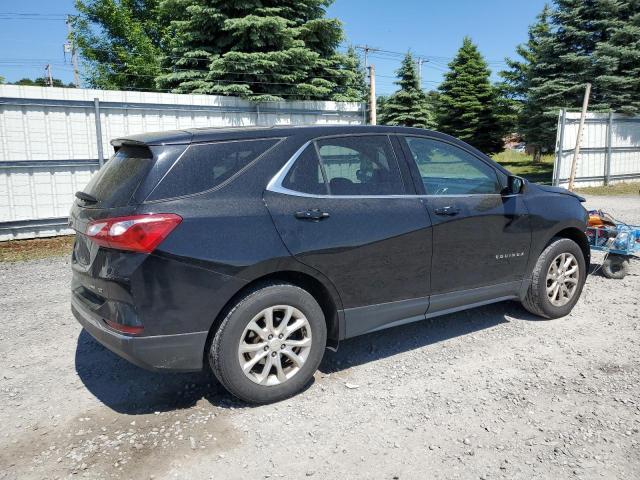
522,164
632,188
20,250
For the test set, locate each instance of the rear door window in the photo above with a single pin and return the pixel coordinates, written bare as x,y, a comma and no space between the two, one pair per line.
205,166
116,182
360,165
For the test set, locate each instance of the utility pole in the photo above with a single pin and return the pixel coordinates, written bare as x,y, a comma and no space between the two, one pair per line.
71,45
366,49
372,95
49,75
576,151
420,62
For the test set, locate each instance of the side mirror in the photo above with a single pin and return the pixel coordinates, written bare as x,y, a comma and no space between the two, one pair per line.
515,185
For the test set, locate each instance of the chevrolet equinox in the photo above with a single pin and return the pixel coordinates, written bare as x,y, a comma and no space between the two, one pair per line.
252,250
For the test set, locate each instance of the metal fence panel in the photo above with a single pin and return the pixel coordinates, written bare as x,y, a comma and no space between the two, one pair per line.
609,150
49,148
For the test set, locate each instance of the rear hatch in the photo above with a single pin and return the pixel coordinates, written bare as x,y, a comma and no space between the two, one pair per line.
102,268
118,188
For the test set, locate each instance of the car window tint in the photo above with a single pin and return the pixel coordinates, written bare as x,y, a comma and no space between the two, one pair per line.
449,170
360,165
306,175
204,166
118,179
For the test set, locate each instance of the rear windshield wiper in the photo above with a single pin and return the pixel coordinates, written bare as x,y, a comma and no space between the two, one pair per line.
86,197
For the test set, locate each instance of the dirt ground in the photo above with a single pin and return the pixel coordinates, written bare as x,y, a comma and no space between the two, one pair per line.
488,393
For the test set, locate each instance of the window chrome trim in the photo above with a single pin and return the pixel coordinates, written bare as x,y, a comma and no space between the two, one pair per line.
275,184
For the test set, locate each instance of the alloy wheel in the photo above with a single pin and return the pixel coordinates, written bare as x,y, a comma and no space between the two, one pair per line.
562,279
275,345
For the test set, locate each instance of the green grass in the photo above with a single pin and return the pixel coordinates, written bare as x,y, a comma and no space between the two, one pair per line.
522,164
20,250
623,188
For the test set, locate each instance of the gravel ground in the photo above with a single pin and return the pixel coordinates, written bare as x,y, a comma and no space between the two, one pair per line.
487,393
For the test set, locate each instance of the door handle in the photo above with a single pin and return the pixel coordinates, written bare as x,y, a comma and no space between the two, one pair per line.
447,211
314,214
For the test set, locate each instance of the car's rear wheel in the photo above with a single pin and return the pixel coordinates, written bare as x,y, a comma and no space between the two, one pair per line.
269,344
557,280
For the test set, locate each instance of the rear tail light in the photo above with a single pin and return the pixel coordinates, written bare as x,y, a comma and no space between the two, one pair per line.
120,327
137,233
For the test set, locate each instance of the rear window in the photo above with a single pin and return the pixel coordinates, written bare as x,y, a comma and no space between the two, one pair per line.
116,182
203,167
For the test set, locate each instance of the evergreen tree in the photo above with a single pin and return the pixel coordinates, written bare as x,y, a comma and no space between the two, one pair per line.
468,102
522,82
119,41
351,83
576,42
617,59
262,49
409,105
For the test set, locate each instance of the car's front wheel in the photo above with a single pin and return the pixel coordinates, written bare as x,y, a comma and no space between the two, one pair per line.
557,280
269,344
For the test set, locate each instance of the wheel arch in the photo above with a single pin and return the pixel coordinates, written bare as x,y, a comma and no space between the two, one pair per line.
572,233
323,292
579,237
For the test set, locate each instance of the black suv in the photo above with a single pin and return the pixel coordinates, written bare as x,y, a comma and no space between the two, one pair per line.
252,250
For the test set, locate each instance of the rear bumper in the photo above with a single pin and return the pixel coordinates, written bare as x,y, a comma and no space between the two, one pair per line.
178,352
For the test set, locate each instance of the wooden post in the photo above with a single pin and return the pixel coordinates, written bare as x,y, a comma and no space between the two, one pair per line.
576,152
372,95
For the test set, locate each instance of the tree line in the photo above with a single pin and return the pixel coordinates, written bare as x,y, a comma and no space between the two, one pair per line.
572,42
269,50
260,49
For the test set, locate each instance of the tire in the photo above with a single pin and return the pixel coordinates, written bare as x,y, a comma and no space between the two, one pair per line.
537,299
615,266
237,332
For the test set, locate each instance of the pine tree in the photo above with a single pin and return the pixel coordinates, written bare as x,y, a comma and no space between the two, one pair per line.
617,60
468,101
261,49
409,105
576,42
536,124
119,41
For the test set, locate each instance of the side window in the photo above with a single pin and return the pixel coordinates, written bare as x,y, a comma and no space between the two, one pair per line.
306,175
360,165
205,166
448,170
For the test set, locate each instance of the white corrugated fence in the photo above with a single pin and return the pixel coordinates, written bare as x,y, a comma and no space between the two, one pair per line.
609,150
49,147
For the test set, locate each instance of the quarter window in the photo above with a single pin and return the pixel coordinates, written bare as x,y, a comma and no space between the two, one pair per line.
205,166
449,170
306,174
360,165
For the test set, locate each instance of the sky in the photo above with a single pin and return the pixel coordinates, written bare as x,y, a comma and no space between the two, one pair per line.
430,29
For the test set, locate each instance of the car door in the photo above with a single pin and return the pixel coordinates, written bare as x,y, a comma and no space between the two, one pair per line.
481,237
341,207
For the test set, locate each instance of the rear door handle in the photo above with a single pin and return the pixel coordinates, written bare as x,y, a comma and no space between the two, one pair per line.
312,214
447,211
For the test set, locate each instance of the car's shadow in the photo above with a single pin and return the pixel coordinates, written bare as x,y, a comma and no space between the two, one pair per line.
131,390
